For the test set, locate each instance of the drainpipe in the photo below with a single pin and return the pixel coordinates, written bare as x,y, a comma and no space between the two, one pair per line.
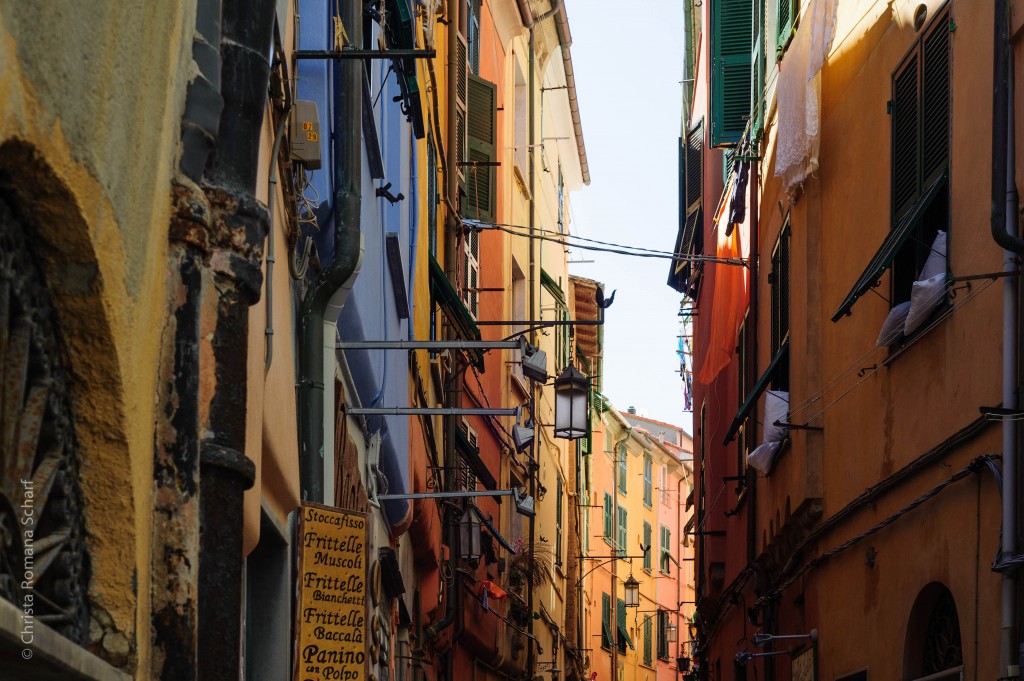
327,295
1004,232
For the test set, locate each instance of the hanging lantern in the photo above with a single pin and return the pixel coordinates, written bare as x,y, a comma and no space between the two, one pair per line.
571,413
632,592
672,633
469,537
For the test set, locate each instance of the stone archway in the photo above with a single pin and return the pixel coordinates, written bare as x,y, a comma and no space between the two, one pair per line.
62,418
933,641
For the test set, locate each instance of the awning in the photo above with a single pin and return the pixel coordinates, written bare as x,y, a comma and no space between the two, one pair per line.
444,295
759,387
890,247
471,455
492,529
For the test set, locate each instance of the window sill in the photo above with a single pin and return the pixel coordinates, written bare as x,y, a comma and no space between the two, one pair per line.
647,504
898,348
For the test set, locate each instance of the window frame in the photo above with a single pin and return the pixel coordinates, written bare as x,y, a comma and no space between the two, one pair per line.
648,480
648,542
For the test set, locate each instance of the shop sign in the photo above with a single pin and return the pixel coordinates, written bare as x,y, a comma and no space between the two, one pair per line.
803,666
331,617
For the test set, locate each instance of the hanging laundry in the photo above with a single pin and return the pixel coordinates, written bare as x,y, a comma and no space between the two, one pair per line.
728,301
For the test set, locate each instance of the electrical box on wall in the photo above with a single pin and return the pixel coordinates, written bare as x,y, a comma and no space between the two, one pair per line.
306,135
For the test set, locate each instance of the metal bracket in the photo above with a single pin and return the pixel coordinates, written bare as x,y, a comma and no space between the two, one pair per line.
365,54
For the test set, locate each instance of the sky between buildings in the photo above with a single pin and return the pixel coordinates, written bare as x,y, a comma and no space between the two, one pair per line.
628,63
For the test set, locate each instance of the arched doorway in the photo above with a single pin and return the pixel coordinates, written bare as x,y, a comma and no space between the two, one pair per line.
933,635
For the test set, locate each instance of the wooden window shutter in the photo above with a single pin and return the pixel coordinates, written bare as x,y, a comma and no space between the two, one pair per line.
621,541
786,19
648,652
481,129
905,184
694,165
647,543
732,52
607,515
935,103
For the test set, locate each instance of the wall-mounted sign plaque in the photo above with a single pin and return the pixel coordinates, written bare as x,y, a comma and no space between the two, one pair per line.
330,627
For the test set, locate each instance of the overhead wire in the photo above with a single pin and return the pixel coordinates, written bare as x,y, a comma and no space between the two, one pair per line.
816,397
568,241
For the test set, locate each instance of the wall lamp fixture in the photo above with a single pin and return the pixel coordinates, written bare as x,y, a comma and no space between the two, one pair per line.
524,502
743,657
760,639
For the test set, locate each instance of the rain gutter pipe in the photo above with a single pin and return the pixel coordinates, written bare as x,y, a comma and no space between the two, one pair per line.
327,295
1004,232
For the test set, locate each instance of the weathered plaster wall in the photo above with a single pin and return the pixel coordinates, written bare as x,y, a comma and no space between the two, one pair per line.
96,111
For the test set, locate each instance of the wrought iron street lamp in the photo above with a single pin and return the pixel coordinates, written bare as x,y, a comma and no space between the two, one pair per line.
571,388
672,633
632,595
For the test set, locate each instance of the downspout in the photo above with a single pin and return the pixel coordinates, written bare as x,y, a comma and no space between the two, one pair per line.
240,224
1004,232
753,211
327,295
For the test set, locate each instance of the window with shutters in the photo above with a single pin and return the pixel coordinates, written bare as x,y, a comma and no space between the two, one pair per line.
481,157
607,516
685,276
473,34
558,522
648,553
662,634
620,544
471,272
648,480
787,14
648,642
620,622
920,120
521,128
606,621
432,198
622,458
663,484
779,280
732,42
665,555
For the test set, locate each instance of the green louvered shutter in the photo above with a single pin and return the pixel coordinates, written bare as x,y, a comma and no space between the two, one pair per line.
607,515
935,103
647,542
482,130
606,616
621,543
787,16
732,52
905,136
648,652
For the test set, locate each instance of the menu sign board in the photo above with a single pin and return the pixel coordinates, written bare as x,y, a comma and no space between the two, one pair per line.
331,617
802,667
